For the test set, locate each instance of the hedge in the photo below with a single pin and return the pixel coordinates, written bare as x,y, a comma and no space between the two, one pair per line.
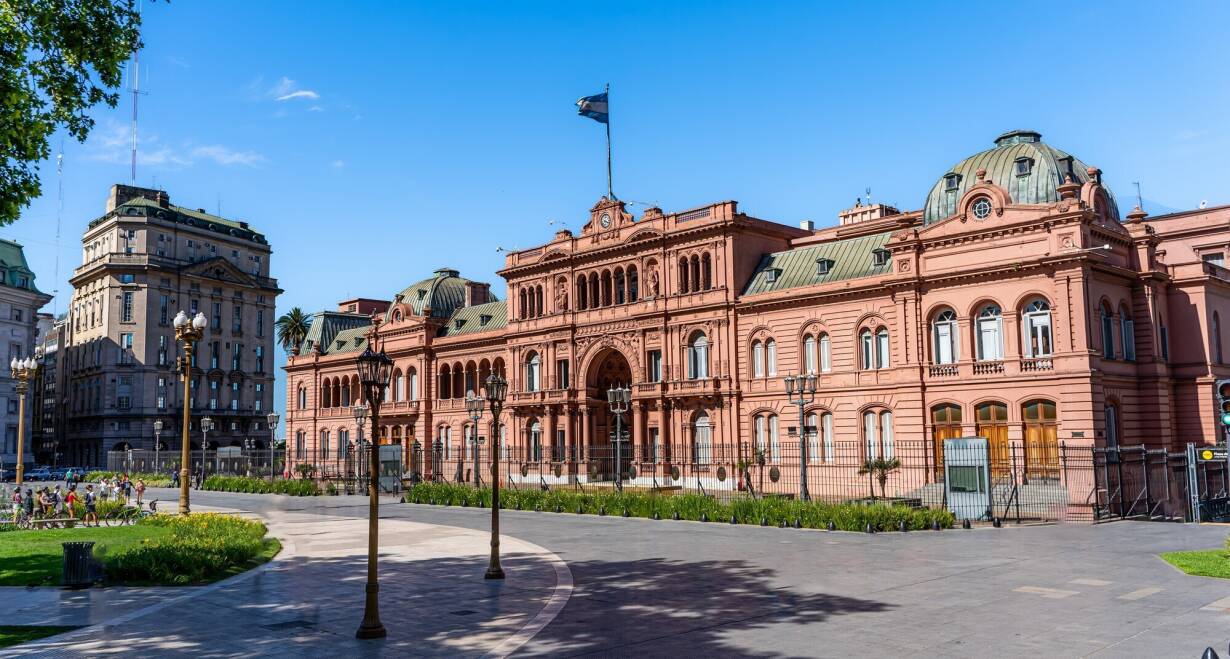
151,479
773,511
299,488
200,547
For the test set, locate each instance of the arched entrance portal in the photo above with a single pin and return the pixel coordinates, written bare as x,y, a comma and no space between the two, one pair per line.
609,369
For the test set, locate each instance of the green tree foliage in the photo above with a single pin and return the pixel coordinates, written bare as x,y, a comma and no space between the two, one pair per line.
292,328
58,59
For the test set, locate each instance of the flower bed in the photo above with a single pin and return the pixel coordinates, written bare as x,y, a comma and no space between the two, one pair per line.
195,548
298,488
773,511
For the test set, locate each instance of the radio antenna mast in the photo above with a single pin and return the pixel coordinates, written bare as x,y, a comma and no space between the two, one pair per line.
55,308
135,74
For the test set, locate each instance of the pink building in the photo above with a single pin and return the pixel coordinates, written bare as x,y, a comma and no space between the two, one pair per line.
1016,305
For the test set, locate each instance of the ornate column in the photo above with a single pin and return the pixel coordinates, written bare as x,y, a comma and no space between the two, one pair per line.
664,425
551,426
638,434
585,429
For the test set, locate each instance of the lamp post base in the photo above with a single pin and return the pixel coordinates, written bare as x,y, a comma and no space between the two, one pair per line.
366,632
494,573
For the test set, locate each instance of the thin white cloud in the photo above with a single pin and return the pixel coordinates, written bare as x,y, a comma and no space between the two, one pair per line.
225,156
288,90
316,108
337,164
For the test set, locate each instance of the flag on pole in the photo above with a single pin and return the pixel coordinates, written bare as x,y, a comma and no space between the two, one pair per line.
594,107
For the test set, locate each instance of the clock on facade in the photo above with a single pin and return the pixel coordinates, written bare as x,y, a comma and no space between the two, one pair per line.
605,220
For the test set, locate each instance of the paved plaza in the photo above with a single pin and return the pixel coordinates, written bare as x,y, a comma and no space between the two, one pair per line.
583,585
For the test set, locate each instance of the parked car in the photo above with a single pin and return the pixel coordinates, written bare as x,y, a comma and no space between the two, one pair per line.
39,474
9,474
59,473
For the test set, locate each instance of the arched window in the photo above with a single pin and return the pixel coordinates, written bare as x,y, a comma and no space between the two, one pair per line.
446,382
683,275
990,343
812,428
533,371
702,439
1111,414
634,285
620,283
300,445
1127,334
535,443
945,348
324,445
595,298
775,447
770,354
706,272
809,354
582,293
324,396
886,434
882,348
992,423
759,434
1036,326
866,351
522,309
539,310
826,354
871,435
302,398
696,281
757,359
698,357
1042,438
1108,334
399,386
343,443
414,384
1217,338
606,288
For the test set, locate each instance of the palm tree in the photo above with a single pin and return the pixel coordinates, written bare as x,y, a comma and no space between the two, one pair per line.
292,328
881,468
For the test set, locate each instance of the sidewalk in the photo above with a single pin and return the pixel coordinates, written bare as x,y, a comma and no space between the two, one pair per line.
309,600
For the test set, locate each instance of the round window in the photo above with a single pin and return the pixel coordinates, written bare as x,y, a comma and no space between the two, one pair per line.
982,208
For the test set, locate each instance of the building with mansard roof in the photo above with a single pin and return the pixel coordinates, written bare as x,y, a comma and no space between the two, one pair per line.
1016,305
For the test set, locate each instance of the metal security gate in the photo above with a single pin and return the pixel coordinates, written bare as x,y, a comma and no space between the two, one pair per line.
1136,482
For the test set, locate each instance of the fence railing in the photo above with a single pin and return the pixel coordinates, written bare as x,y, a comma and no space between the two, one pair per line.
227,461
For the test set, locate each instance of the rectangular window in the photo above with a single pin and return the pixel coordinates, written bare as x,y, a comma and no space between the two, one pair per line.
194,307
126,355
214,349
236,356
17,314
236,317
213,394
162,401
216,322
234,396
126,308
561,370
164,309
127,278
1165,338
1128,329
882,349
1216,258
260,323
162,351
260,359
256,401
826,354
655,365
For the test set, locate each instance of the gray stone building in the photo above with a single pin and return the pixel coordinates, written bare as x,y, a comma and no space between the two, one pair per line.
145,260
20,301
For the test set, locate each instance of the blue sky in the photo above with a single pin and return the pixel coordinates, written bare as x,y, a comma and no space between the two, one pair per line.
374,142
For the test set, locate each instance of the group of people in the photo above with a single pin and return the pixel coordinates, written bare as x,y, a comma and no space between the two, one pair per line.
57,503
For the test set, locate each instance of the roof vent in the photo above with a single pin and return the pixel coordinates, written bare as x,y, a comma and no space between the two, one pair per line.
483,319
447,272
459,322
823,266
1018,137
879,257
770,275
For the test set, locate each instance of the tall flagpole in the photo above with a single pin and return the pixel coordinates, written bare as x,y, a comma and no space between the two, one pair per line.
609,191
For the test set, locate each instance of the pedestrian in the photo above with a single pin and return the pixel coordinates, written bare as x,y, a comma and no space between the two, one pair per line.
44,502
140,490
70,501
174,478
102,489
57,502
91,506
28,501
17,503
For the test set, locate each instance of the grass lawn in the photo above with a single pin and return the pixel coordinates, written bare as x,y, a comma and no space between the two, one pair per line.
12,635
1205,563
36,557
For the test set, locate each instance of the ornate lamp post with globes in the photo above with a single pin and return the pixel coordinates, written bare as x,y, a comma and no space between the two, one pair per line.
497,389
272,418
157,443
360,418
374,368
474,409
189,332
619,398
24,370
801,390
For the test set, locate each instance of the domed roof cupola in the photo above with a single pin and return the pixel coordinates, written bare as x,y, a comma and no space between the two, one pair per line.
438,296
1021,163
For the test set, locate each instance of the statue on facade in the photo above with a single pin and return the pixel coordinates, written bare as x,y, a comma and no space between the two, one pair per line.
561,296
653,282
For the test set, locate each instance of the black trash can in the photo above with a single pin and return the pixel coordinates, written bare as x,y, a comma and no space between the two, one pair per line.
78,564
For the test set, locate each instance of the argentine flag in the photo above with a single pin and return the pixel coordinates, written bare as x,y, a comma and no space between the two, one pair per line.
593,107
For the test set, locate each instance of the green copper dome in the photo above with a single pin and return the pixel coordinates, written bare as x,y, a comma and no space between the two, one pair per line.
1021,163
443,294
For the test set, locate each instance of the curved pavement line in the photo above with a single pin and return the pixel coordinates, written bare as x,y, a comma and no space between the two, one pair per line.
559,597
54,642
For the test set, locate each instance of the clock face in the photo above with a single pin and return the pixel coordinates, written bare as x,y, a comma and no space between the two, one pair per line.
606,221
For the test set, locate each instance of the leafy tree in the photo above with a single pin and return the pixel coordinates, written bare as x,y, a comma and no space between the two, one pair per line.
292,328
880,468
58,59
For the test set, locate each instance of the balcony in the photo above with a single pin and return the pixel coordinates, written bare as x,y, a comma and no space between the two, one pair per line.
1035,364
402,406
943,371
988,368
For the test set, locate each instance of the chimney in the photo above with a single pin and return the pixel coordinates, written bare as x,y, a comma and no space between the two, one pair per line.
865,213
807,225
122,194
477,292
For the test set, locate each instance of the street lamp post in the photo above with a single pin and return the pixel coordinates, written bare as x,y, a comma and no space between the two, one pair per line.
24,370
474,408
207,424
374,369
497,388
272,419
157,444
801,390
188,331
360,418
619,398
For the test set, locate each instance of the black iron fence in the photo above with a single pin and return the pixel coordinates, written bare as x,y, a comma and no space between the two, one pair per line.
1155,483
228,461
